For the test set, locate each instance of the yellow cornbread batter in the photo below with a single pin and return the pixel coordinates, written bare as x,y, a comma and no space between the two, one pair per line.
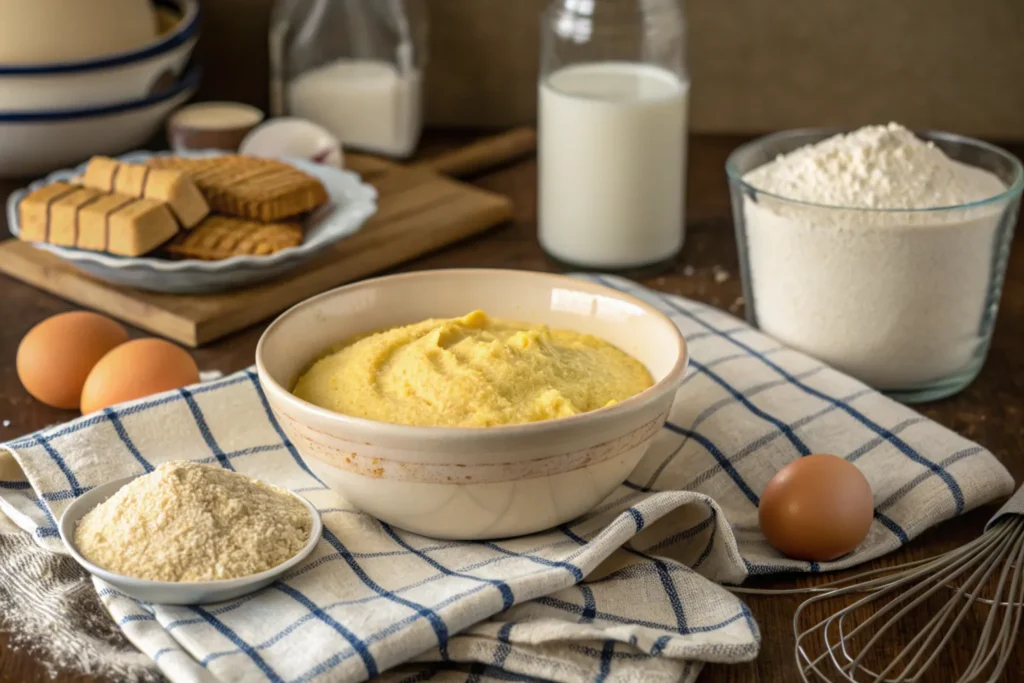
473,371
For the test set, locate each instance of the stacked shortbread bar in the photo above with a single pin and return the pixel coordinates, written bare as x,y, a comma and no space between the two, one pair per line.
207,208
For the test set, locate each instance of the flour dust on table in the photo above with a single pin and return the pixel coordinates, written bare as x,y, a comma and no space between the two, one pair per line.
50,610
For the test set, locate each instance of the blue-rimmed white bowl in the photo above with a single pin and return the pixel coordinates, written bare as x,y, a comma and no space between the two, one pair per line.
37,142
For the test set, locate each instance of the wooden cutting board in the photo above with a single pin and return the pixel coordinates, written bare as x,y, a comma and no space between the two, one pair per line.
419,210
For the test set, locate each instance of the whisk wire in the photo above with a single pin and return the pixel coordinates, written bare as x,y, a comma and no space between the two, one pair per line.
1012,609
892,593
919,592
905,578
934,627
983,653
1010,631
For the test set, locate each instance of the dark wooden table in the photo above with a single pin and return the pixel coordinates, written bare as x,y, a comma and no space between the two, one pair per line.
990,411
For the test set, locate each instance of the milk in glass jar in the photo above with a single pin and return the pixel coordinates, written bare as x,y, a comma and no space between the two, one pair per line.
613,101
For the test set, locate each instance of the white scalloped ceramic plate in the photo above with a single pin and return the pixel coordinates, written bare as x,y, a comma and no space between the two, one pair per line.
351,203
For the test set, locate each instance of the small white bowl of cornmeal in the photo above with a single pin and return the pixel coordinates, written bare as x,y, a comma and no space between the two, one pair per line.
189,534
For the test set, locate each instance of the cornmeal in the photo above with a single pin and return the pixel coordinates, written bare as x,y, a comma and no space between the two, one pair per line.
473,371
190,522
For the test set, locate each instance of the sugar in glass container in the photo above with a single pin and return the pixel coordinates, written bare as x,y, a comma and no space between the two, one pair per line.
613,103
354,67
903,299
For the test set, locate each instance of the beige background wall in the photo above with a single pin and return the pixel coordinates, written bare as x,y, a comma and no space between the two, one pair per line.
756,65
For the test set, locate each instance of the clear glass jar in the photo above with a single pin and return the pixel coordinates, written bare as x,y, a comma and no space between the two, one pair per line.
613,103
904,300
352,66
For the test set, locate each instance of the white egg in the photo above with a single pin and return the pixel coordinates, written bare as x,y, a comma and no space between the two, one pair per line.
293,137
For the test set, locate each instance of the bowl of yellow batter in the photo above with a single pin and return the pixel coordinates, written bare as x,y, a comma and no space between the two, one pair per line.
469,404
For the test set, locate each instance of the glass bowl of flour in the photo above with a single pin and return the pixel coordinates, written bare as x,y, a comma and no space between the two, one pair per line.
879,251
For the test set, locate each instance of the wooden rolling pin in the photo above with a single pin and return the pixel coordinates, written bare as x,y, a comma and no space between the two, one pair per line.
484,154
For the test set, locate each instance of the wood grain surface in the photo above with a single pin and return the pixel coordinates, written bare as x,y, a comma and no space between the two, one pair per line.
989,411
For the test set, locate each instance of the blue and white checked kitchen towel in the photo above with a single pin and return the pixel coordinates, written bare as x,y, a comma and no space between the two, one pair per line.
628,592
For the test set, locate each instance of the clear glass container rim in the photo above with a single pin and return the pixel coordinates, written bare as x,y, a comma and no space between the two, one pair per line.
1015,188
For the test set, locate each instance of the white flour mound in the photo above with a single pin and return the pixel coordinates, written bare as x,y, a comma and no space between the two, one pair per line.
875,167
896,299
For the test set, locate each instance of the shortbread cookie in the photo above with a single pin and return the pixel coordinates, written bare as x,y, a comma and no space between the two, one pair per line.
250,187
82,217
176,188
221,237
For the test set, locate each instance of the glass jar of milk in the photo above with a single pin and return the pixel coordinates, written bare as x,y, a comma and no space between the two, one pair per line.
354,67
612,124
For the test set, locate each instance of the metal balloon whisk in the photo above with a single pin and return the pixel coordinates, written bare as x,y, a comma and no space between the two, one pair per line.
986,574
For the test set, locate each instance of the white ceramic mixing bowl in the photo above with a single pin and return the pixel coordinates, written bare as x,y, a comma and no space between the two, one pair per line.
473,483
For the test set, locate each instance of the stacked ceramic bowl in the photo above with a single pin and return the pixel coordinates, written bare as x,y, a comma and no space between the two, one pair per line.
89,77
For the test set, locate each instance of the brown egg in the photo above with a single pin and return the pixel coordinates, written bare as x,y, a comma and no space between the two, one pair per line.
141,367
816,508
56,355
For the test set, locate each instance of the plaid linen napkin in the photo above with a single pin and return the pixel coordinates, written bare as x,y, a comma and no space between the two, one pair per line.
628,592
